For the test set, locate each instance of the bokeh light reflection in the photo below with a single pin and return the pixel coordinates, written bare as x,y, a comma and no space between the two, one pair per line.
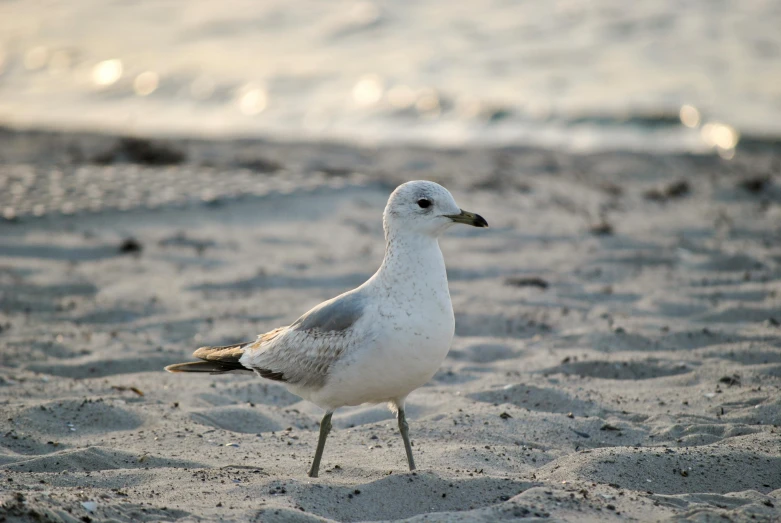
107,72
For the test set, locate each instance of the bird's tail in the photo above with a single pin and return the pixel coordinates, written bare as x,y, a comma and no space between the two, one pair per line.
216,360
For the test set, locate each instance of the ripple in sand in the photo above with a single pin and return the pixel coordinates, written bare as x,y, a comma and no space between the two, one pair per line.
709,468
621,370
484,353
94,459
247,420
93,368
541,400
72,418
422,493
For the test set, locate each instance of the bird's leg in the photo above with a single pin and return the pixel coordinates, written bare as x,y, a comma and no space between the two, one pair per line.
325,428
404,429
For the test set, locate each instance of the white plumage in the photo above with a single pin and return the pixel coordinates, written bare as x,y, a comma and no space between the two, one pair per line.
378,342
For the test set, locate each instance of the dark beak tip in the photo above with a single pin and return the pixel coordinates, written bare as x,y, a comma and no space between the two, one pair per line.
468,218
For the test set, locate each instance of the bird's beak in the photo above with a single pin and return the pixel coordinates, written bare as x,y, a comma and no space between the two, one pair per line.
469,218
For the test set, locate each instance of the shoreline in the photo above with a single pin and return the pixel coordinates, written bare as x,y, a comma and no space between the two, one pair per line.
259,166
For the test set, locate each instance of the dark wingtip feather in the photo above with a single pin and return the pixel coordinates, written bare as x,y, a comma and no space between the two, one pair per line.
205,366
271,375
193,366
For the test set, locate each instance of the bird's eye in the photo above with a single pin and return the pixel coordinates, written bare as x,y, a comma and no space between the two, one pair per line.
424,203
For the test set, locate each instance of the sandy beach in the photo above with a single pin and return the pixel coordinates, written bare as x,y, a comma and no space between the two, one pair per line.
617,350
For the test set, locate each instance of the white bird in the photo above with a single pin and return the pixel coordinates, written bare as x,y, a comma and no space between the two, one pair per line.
373,344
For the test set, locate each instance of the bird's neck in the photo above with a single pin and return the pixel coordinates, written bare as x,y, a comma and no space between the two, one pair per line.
409,256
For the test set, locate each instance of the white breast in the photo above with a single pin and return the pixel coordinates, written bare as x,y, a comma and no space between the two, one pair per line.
411,327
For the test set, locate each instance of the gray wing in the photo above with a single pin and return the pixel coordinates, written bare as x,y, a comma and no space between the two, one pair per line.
335,315
303,353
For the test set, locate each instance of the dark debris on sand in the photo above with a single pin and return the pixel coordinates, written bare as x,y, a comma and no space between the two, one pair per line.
130,246
672,191
527,282
140,151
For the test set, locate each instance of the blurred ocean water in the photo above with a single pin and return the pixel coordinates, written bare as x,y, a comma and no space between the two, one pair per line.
584,75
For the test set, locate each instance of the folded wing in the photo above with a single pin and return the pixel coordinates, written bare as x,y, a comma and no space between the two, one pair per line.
303,353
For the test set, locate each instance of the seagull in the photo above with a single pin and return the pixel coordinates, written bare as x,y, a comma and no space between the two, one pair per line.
376,343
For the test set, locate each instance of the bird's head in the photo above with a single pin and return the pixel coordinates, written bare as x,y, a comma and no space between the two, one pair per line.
425,208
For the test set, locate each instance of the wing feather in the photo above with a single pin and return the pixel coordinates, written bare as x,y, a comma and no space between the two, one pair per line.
303,353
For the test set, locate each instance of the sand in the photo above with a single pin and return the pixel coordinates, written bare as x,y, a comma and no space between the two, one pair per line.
617,350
